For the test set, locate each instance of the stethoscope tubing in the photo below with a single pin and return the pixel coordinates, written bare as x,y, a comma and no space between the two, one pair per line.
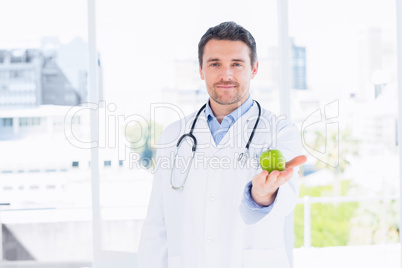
242,157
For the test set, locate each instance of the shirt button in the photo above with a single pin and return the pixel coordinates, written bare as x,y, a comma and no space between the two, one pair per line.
212,197
211,239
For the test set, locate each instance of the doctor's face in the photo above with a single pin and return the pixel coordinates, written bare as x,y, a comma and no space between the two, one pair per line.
227,71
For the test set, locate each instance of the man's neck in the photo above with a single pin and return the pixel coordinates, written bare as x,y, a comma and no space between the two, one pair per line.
222,110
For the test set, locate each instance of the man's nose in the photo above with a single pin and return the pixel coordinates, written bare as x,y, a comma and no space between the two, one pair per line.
226,74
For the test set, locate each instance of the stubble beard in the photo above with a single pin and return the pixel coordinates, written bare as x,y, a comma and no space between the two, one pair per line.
236,98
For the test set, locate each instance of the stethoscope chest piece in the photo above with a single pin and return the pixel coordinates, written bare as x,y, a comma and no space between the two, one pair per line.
243,157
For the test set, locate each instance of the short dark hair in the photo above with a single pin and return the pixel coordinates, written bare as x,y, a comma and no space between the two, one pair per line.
228,31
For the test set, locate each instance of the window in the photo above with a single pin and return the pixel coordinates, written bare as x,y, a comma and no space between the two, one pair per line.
30,121
36,121
350,70
7,122
2,56
23,121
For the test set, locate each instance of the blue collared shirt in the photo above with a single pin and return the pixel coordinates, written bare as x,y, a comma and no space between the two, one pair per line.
218,131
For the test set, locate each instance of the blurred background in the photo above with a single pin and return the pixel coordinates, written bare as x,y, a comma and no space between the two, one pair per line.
343,97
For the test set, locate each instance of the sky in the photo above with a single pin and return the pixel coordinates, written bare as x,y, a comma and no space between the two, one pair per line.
139,40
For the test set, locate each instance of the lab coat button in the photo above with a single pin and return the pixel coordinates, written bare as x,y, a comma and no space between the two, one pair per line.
211,239
212,197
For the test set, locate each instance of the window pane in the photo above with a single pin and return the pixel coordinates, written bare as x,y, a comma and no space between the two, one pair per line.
348,116
43,68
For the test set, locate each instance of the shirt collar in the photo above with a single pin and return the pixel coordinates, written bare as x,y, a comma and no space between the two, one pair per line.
233,116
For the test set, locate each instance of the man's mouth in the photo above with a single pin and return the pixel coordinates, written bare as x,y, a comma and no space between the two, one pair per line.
226,86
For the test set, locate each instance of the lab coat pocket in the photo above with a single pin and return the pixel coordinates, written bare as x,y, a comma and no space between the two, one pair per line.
174,262
265,258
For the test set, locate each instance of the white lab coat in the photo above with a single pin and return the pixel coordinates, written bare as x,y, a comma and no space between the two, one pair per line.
202,226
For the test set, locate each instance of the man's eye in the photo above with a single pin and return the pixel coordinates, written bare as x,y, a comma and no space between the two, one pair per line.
237,64
214,64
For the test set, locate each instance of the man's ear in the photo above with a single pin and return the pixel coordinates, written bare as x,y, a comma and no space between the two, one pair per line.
254,70
201,74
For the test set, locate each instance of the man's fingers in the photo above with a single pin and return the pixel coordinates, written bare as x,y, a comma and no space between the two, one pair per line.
264,174
287,172
271,181
285,176
272,178
297,161
276,177
261,178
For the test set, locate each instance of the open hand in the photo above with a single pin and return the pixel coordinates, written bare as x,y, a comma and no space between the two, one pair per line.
265,185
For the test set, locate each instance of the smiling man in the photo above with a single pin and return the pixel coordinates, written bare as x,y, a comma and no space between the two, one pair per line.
227,69
227,60
225,215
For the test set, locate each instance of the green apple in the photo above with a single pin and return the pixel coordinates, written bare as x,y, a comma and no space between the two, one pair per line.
272,160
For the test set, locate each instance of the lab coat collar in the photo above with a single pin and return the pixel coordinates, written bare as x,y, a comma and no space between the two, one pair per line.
243,124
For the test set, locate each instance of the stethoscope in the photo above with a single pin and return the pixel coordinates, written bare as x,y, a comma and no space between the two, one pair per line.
243,157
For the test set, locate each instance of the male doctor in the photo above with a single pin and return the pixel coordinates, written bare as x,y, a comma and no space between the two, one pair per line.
228,213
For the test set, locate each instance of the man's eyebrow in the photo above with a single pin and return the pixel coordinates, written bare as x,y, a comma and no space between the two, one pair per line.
216,59
213,59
